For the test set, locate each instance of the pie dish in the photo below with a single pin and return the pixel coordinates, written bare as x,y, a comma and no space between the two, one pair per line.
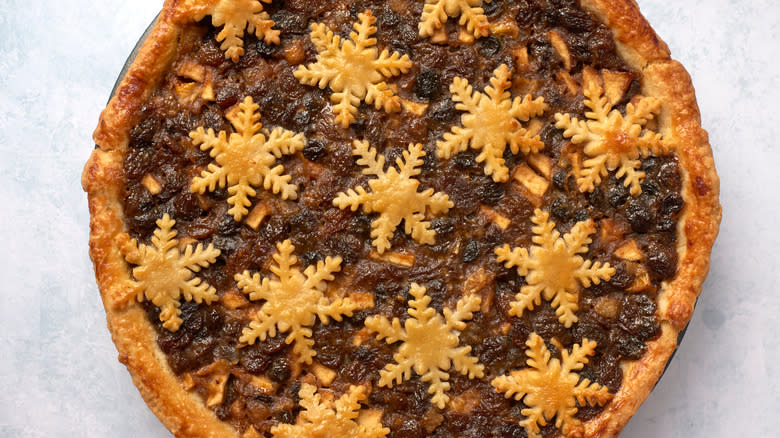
404,218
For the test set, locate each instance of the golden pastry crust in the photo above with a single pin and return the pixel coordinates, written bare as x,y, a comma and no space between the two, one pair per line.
185,414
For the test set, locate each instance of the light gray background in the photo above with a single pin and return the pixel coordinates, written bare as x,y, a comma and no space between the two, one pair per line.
59,374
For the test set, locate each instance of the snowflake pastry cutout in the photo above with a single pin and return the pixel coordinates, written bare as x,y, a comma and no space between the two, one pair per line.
164,274
491,123
353,70
323,419
236,16
613,141
553,268
246,159
550,389
435,13
394,196
293,300
430,344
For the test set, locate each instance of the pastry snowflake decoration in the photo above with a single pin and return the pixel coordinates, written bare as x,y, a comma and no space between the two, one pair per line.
549,387
236,16
352,69
554,268
491,123
246,159
430,344
394,196
613,141
323,419
435,13
164,274
293,300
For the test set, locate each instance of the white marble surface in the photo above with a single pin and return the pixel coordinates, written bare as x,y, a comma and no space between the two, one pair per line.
58,370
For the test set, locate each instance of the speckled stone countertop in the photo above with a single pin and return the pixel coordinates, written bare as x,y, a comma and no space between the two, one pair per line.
59,374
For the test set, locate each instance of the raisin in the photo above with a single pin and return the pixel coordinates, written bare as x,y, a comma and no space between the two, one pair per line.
254,361
526,13
227,95
289,22
276,229
669,174
407,34
575,19
264,49
347,246
222,412
171,342
280,370
213,319
627,345
666,223
186,207
650,164
314,150
471,251
639,216
428,84
490,192
621,279
559,179
512,431
638,316
465,160
303,222
360,225
143,133
329,353
597,199
662,261
489,47
310,258
442,111
671,204
389,18
650,188
491,8
581,215
558,208
589,328
493,349
302,119
410,428
192,320
210,54
618,195
228,226
442,225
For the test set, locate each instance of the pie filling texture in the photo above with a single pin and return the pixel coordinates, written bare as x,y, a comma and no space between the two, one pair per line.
439,218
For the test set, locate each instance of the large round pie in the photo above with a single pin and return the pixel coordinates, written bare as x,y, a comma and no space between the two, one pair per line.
400,218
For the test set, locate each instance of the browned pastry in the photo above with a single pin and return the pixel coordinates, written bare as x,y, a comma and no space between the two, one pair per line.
400,218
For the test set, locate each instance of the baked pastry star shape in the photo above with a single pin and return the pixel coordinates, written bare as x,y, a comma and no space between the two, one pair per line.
246,159
352,69
323,419
435,13
549,387
293,300
165,274
491,123
236,16
394,196
613,141
554,268
430,344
